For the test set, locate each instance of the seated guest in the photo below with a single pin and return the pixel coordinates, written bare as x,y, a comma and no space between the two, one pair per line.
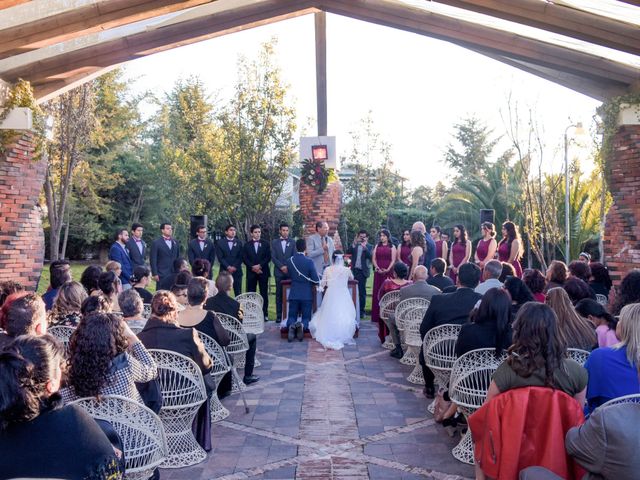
7,288
223,303
556,275
605,322
537,357
584,257
179,265
398,280
437,278
89,279
106,358
613,371
450,308
490,275
59,273
140,281
201,268
132,306
205,321
40,438
179,287
508,270
628,292
575,331
66,307
534,280
577,289
95,303
490,325
580,270
520,293
108,283
115,267
600,281
22,314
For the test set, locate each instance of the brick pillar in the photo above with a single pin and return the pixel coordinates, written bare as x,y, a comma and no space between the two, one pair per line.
622,227
21,235
325,206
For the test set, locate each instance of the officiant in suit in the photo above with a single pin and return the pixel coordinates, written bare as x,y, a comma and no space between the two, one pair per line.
320,247
229,253
137,247
256,255
282,249
202,247
360,252
164,250
303,276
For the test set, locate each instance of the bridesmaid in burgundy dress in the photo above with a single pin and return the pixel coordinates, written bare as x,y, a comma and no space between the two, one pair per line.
442,248
404,252
510,247
460,251
418,247
487,245
383,255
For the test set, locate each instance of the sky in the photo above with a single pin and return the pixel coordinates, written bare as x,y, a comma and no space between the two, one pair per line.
416,88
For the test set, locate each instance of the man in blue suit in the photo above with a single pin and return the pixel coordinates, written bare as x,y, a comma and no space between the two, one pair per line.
119,253
303,276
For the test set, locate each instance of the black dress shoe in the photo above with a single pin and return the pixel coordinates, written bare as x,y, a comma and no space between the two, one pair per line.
299,332
248,380
397,353
224,395
357,334
429,392
292,333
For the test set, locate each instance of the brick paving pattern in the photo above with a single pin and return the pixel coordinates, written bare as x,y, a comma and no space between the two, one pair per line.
319,414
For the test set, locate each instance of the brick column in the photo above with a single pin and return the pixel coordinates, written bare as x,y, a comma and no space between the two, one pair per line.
622,227
325,206
21,235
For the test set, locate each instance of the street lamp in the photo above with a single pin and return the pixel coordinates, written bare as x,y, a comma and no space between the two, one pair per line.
567,221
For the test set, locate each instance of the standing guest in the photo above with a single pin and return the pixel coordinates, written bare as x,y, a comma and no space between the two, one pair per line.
442,248
119,253
584,257
229,253
39,437
510,247
66,307
361,258
202,268
131,305
575,331
519,292
22,314
418,247
320,247
282,249
430,245
164,250
108,283
437,277
396,282
507,271
628,291
490,277
256,255
404,249
140,281
445,239
89,279
600,281
201,247
577,289
581,270
556,275
179,265
613,371
487,245
59,273
460,251
382,258
533,278
136,246
8,288
605,322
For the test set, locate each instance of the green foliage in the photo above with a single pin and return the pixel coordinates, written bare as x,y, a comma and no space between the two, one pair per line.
21,95
608,112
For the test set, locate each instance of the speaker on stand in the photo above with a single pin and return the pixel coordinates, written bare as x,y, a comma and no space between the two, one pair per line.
487,215
195,221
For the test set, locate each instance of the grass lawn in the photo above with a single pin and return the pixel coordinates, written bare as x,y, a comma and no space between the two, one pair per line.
78,267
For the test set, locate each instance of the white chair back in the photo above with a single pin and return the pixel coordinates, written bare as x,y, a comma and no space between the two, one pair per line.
578,355
602,299
388,303
253,320
408,304
220,362
239,342
635,398
471,375
141,431
250,297
62,333
439,348
411,323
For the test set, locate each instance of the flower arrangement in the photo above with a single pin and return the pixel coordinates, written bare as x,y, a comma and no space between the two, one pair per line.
316,175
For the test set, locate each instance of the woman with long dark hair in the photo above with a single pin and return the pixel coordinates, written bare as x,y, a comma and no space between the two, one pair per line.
89,279
628,291
108,283
396,282
556,275
510,248
605,322
575,331
418,249
460,251
442,247
519,292
487,245
382,258
533,278
600,281
404,250
140,281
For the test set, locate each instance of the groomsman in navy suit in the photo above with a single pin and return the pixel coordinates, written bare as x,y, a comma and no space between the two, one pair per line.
118,253
282,249
303,276
164,250
256,255
202,247
136,246
229,253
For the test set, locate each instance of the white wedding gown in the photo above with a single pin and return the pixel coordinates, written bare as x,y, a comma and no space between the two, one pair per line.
334,323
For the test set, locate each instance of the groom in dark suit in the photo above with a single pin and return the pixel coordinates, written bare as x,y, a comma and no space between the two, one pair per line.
137,247
164,250
360,252
256,255
202,247
303,276
282,249
229,253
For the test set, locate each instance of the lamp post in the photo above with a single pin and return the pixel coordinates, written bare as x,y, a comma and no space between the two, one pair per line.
567,186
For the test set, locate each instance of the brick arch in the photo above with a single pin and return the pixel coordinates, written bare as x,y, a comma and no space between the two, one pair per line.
325,206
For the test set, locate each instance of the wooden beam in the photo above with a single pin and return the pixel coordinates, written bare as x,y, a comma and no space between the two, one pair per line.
321,71
11,3
561,19
95,17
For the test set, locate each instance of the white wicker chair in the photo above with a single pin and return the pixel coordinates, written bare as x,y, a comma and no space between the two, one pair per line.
62,333
602,299
439,348
253,321
221,366
468,384
387,305
412,320
578,355
237,348
635,398
183,392
250,297
410,356
136,330
141,432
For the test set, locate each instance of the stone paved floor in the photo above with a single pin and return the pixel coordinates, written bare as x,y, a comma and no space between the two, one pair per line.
319,414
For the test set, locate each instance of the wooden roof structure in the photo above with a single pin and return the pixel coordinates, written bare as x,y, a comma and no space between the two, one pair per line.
591,46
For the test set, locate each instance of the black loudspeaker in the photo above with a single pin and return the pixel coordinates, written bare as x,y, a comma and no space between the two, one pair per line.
195,222
487,215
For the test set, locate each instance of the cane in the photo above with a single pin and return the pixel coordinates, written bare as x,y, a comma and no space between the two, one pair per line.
236,377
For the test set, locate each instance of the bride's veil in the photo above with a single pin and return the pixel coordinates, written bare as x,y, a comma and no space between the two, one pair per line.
339,260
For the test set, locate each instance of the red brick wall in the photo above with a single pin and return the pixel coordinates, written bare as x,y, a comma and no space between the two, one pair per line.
325,206
622,228
21,235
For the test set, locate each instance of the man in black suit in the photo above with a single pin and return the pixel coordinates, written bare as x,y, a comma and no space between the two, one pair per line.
256,255
136,246
164,250
360,252
202,247
437,278
229,253
282,249
450,308
223,303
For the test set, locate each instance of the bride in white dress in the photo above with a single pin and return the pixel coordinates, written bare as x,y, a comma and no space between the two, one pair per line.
334,323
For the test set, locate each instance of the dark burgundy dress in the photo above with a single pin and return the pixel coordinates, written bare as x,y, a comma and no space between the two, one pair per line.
482,250
458,252
383,259
504,251
405,254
